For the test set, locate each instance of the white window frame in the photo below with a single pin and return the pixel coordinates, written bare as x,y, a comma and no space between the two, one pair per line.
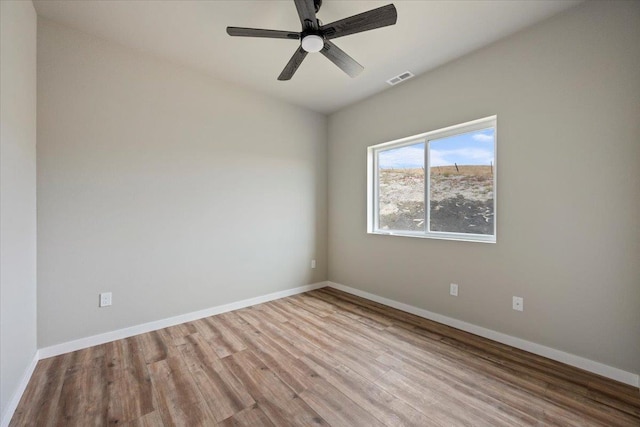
372,181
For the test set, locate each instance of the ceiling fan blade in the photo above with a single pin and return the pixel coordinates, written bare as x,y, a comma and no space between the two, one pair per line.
307,13
258,32
376,18
293,64
341,59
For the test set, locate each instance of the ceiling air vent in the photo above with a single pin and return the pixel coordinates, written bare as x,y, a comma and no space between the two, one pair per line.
400,78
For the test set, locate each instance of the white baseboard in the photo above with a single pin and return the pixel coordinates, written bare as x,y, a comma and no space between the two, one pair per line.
541,350
86,342
17,395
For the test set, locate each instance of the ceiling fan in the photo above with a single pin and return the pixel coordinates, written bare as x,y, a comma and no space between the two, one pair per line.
316,37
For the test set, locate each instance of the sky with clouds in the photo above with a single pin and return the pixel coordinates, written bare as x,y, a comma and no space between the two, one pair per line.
474,148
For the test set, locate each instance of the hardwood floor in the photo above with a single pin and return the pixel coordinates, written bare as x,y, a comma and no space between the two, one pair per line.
320,358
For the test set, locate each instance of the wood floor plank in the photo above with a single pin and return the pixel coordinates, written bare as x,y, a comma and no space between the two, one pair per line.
462,366
489,349
279,402
529,381
177,396
336,408
202,328
312,343
607,415
312,305
84,397
247,319
223,392
279,311
459,372
452,393
320,358
361,307
424,400
152,419
179,332
270,313
375,400
39,403
224,341
372,369
250,417
498,393
154,348
129,378
359,343
289,369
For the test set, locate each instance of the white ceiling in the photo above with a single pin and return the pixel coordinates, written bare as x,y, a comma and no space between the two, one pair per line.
428,34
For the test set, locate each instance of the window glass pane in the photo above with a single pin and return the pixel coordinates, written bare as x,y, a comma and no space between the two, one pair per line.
461,183
401,188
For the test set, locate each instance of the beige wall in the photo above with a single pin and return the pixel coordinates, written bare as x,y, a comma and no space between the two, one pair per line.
173,190
17,195
567,96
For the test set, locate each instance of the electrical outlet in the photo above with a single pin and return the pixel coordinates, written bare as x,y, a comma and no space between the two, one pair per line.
518,303
453,289
105,299
313,263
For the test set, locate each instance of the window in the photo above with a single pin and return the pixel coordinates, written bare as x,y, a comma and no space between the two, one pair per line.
440,184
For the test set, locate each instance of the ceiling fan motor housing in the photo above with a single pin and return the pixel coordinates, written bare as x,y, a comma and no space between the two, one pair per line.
312,40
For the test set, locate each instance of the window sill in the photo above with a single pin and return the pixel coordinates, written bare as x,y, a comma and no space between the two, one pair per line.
476,238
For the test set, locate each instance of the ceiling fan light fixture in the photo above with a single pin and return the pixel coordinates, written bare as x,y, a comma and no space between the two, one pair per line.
312,43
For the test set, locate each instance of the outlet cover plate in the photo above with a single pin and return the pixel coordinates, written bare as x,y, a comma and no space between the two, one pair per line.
105,299
453,289
518,303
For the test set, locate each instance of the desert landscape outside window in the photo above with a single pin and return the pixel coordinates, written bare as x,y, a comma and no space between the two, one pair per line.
451,171
401,182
